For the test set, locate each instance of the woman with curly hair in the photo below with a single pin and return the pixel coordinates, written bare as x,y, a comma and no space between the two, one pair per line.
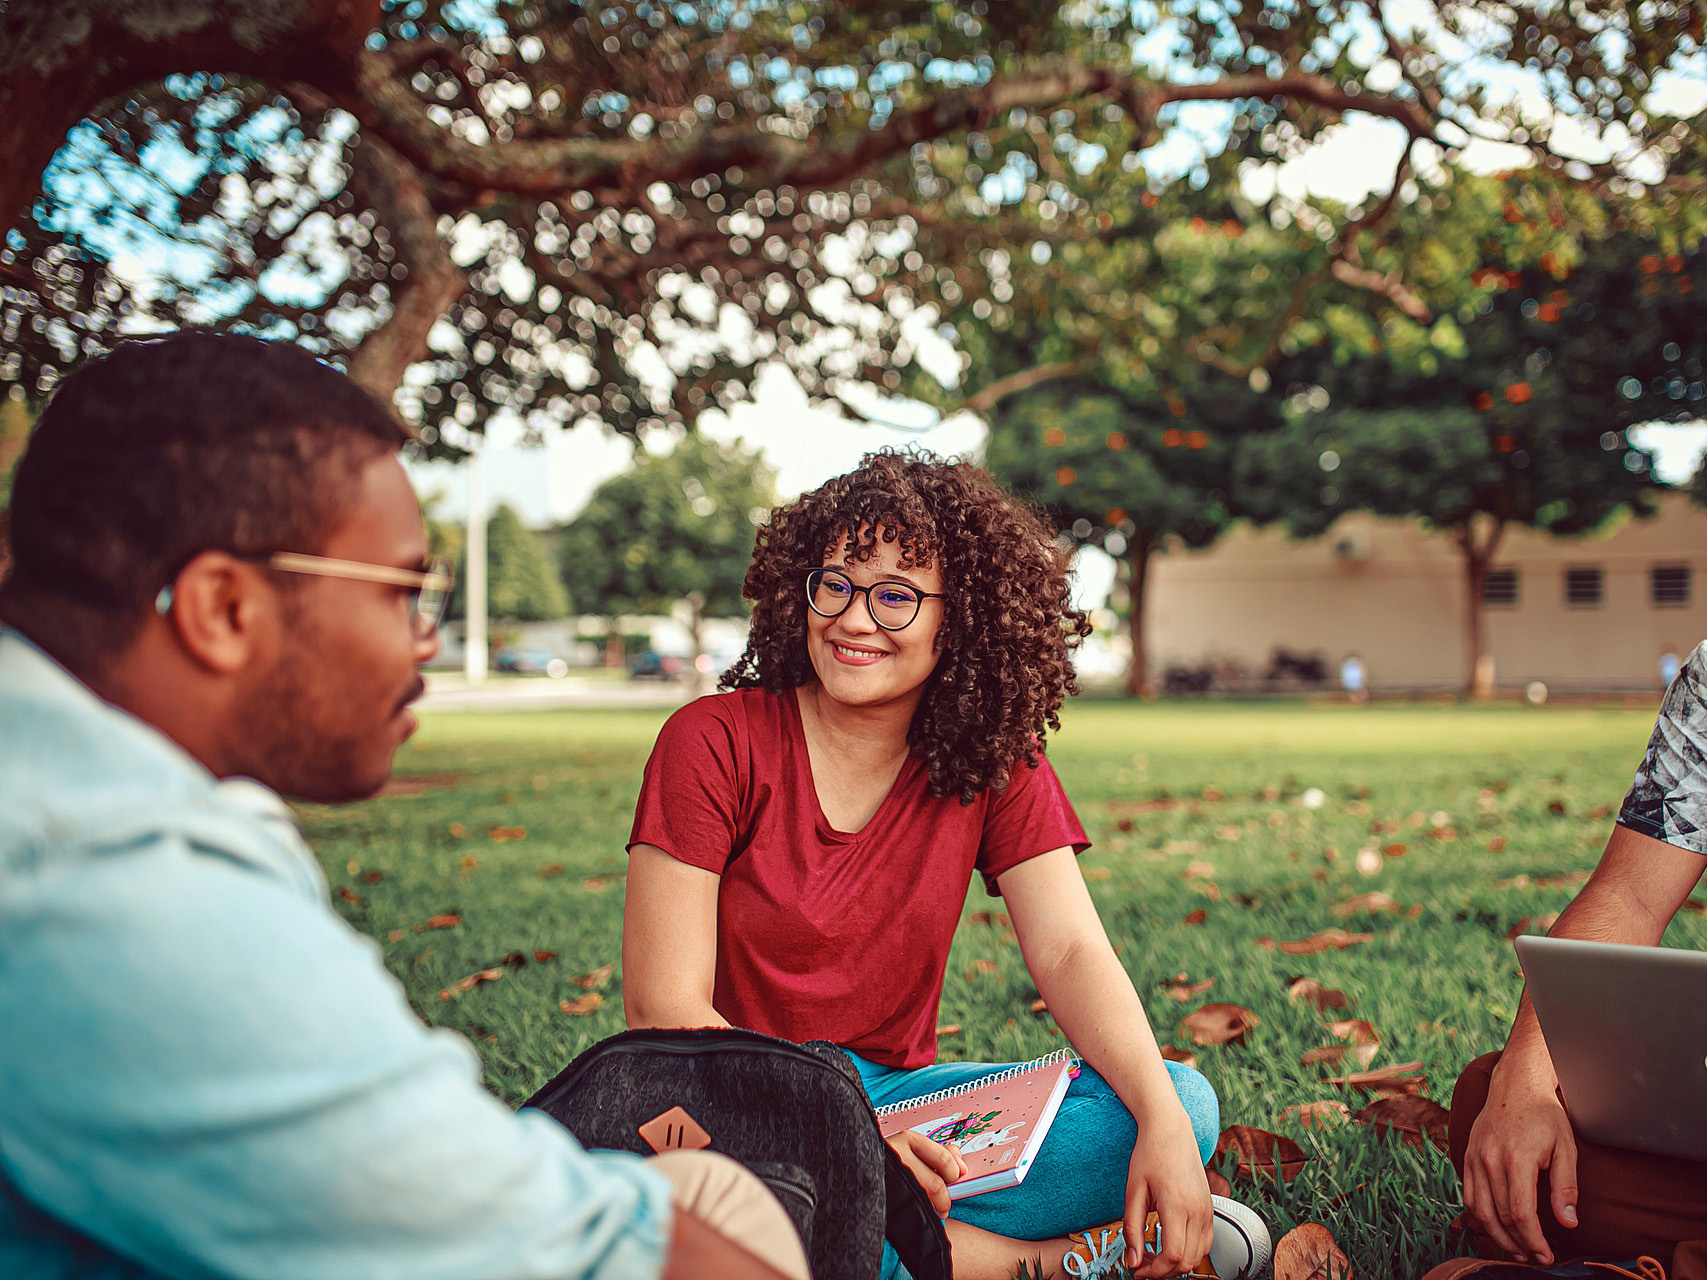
803,844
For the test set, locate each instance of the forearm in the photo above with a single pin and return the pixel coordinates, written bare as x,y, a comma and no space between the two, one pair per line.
1092,999
1609,909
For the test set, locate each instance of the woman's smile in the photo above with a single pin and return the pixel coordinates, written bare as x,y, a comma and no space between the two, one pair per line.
856,655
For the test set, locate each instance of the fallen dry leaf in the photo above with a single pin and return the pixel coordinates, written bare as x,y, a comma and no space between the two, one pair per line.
1556,808
1412,1117
472,981
1317,1115
1199,870
594,884
1395,850
1324,998
544,957
1363,902
1328,1055
446,921
1185,1057
551,869
581,1006
948,1029
457,830
1309,1252
1403,1077
1363,1043
1219,1024
469,862
350,896
1257,1152
1183,991
1355,1030
1197,916
1097,873
984,966
1218,1184
1496,844
1039,1005
1324,940
597,978
500,835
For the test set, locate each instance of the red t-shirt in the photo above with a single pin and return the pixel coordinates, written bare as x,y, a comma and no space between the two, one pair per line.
823,934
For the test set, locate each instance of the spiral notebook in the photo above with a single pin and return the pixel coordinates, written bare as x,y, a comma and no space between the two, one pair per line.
998,1121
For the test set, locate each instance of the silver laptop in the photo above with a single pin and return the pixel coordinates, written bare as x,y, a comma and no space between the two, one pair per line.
1627,1030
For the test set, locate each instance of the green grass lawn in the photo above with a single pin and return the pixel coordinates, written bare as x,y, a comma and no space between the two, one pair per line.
514,825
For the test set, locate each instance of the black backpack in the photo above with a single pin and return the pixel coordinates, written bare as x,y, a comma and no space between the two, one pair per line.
795,1115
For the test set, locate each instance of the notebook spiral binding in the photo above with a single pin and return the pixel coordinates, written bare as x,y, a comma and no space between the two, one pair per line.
1048,1060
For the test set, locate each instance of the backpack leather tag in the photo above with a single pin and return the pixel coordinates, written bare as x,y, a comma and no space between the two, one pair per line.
674,1130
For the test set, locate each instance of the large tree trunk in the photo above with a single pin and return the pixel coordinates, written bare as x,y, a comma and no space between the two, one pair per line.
615,658
1138,574
1478,557
58,62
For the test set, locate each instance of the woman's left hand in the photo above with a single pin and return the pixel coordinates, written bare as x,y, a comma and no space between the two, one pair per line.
1166,1178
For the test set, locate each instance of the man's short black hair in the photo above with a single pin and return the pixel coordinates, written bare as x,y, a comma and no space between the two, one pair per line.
166,448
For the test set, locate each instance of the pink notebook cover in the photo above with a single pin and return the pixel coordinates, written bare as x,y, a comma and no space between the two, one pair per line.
998,1121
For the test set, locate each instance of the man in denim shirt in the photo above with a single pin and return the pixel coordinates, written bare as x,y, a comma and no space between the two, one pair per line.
220,592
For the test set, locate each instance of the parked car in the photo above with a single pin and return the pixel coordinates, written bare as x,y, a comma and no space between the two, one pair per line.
531,662
655,666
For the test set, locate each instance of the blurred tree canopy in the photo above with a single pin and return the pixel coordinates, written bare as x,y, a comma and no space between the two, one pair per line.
1126,473
615,211
675,527
522,581
1525,425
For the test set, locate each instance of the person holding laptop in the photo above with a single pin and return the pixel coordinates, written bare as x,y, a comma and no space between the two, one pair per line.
1536,1187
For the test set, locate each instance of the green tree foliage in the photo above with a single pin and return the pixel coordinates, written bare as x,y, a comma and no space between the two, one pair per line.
1125,473
615,212
675,527
522,582
1525,427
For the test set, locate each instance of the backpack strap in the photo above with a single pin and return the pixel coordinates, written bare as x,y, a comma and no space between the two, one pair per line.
911,1224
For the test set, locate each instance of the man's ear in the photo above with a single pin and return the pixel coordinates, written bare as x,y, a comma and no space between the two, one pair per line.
223,612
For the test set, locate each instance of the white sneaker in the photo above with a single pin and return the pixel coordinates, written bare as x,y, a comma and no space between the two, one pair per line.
1238,1250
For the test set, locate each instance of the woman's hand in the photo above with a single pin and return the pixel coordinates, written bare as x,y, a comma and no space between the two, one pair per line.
934,1165
1166,1178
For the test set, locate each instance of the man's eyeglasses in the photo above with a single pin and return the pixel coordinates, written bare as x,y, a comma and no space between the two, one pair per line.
427,603
892,604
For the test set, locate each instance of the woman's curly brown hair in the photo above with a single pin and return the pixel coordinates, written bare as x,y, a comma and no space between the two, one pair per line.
1008,625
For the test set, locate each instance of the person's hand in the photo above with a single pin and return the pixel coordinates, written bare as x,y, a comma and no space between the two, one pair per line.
1520,1132
1166,1178
934,1165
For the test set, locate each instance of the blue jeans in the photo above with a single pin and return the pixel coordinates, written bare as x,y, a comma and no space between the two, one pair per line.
1079,1177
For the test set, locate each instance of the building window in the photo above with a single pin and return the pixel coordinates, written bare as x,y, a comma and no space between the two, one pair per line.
1500,587
1584,587
1668,584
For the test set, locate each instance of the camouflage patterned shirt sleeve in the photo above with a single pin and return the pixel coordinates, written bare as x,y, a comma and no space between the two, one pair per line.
1668,800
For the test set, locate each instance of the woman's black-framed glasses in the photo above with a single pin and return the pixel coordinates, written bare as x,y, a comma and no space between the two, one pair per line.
892,605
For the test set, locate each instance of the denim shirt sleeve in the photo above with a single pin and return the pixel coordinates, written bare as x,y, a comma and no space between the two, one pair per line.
1668,799
204,1069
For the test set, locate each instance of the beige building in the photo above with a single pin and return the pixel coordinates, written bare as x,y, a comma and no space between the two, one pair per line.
1593,612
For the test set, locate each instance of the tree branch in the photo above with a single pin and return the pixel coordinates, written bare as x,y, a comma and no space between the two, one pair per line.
1024,380
550,166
